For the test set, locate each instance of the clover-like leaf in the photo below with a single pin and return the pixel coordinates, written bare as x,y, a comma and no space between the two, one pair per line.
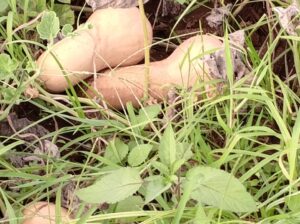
67,29
7,66
48,28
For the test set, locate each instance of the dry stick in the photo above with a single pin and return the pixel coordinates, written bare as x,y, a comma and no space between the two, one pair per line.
147,51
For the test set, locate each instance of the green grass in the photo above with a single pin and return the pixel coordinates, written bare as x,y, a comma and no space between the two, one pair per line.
251,131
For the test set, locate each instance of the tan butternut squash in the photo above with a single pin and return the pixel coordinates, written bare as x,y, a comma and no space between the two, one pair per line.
44,213
183,67
116,37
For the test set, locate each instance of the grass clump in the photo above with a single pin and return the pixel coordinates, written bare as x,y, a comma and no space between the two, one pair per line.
232,158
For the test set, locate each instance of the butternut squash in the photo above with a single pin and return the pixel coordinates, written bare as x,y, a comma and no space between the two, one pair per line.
184,67
116,37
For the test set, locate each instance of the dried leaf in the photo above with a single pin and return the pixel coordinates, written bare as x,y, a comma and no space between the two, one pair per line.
49,149
69,198
18,124
31,92
216,62
171,8
287,18
216,18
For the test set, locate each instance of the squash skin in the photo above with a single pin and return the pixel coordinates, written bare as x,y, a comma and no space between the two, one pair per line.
43,213
126,84
116,38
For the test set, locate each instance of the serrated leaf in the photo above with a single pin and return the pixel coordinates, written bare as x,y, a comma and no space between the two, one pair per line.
220,189
167,147
139,154
67,29
153,187
116,151
113,187
48,28
65,14
7,66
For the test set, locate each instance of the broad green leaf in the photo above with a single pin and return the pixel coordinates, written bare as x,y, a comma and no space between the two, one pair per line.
162,168
183,151
176,165
139,154
293,202
7,66
153,187
67,29
133,203
218,188
48,28
167,147
116,151
113,187
65,14
147,114
201,217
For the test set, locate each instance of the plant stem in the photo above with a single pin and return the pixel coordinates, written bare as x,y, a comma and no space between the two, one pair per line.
184,199
147,51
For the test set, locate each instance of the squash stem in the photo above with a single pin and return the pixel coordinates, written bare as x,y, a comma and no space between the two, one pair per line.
146,50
